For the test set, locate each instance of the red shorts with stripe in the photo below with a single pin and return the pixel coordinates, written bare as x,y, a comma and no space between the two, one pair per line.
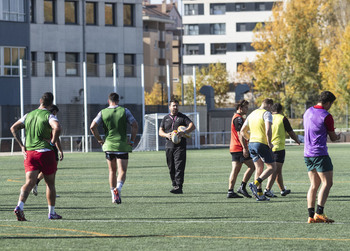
42,161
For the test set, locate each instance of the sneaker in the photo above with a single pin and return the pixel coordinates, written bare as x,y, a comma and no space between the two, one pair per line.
176,190
54,216
254,189
262,198
322,218
311,220
117,198
285,192
269,193
35,190
233,195
20,214
243,191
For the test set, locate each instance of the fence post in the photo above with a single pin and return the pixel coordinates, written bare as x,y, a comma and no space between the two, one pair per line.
54,82
21,93
85,108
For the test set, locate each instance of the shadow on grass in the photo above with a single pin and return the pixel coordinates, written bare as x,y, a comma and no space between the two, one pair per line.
79,237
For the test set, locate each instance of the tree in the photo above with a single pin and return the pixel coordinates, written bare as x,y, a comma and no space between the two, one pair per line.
157,96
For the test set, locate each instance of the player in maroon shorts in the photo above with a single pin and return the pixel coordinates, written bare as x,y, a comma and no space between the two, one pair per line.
38,153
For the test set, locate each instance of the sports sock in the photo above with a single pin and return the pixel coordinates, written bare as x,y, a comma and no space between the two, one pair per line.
230,191
260,192
243,184
37,181
120,185
112,192
51,209
258,181
311,212
319,209
20,204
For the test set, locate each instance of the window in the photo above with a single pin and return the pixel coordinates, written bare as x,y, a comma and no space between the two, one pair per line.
245,47
109,14
10,57
13,10
217,9
91,13
91,64
129,65
49,57
217,29
72,65
240,6
70,10
110,59
32,11
260,6
245,26
218,49
34,63
191,29
194,9
49,12
128,14
194,49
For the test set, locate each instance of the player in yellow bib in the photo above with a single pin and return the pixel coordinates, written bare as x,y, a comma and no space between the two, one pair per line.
259,124
280,126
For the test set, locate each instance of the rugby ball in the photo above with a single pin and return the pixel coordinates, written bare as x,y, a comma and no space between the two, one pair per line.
182,129
175,138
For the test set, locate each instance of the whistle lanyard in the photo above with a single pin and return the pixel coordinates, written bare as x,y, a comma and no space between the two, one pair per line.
173,119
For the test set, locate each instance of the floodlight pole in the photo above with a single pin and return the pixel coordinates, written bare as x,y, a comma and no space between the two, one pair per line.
168,80
143,95
85,108
54,82
114,77
195,106
21,93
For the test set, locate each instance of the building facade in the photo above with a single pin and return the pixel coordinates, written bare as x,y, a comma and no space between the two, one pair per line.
70,32
221,31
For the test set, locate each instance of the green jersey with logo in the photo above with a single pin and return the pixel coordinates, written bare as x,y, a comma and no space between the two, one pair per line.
115,124
37,130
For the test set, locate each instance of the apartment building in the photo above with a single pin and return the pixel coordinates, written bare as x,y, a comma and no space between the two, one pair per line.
69,32
221,31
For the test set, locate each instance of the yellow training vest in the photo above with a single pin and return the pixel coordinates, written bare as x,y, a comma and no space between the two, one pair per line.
278,133
257,126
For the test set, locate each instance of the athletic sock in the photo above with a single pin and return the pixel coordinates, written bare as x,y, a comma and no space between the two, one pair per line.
37,181
120,185
230,191
20,204
311,212
243,184
51,209
258,181
260,192
319,209
112,192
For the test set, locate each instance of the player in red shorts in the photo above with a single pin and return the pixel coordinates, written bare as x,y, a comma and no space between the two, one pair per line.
38,153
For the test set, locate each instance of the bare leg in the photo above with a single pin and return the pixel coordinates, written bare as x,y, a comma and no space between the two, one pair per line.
236,168
271,168
315,182
259,167
250,170
275,176
30,182
112,168
50,189
327,182
122,167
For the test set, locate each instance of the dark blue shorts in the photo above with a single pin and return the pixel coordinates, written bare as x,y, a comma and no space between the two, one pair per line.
238,157
261,151
279,156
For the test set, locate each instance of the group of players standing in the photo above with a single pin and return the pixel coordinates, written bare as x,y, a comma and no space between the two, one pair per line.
257,140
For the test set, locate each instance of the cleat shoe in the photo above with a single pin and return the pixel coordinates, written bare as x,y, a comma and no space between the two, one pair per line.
20,214
285,192
233,195
254,189
322,218
262,198
176,190
244,192
311,220
35,190
54,216
117,198
269,193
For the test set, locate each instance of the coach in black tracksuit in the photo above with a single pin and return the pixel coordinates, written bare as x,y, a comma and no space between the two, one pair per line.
175,153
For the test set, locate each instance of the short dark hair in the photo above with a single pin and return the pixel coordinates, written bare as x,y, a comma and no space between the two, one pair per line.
114,97
173,100
326,96
268,101
54,108
277,107
47,99
242,103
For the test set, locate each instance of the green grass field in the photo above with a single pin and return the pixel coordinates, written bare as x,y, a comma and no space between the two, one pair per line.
151,218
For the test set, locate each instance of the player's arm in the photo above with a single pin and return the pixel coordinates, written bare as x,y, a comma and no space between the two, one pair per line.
329,123
268,129
94,131
163,134
290,131
56,130
244,130
134,130
59,147
189,129
14,128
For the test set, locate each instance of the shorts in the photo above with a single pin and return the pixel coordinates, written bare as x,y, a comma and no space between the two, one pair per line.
261,151
279,156
238,157
321,163
42,161
112,156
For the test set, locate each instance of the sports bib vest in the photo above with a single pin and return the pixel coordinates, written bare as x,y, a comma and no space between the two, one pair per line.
278,133
257,127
